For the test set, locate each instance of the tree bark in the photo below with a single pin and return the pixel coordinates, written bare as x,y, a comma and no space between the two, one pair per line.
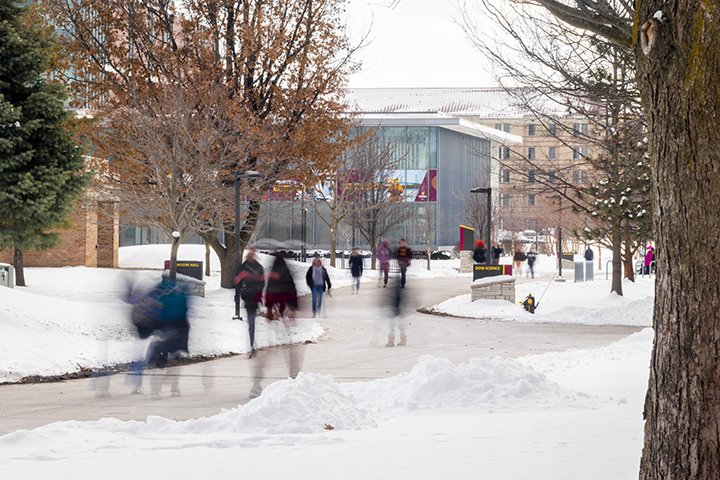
19,269
207,259
333,240
617,262
681,93
173,257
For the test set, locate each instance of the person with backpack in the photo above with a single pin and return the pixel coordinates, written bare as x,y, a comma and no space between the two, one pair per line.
317,279
497,252
356,269
479,252
250,283
404,257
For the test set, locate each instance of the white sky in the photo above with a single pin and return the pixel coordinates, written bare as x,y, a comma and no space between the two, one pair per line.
416,44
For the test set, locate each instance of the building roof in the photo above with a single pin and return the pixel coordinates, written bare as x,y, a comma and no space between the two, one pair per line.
483,102
489,102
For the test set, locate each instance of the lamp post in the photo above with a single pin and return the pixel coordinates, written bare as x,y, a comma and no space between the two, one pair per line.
239,175
487,190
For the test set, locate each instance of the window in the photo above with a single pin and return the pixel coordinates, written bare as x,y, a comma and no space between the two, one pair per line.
580,152
503,153
552,177
531,129
531,153
580,176
531,200
552,153
504,175
531,176
580,128
498,126
552,129
506,127
505,199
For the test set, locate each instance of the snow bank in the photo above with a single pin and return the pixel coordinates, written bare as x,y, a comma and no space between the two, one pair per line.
568,303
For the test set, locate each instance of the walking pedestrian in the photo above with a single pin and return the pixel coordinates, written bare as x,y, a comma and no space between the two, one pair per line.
250,283
396,320
531,258
497,252
649,259
280,294
172,333
383,255
356,269
317,279
589,254
404,257
479,252
518,258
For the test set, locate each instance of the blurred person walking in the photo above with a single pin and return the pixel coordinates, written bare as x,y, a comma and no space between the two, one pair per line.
317,279
396,319
383,255
171,334
356,269
649,259
144,316
281,298
518,258
531,258
404,257
497,252
250,283
479,252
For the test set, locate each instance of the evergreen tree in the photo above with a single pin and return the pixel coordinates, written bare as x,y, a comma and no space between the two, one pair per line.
41,167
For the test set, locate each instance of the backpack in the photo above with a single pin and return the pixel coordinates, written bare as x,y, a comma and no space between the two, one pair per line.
144,315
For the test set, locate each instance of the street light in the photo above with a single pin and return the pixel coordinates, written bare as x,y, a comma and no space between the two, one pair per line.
239,175
487,190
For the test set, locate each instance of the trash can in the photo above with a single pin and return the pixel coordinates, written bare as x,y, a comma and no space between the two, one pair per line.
7,275
579,275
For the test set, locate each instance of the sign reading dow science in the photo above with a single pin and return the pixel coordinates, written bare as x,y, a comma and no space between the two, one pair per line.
191,268
484,271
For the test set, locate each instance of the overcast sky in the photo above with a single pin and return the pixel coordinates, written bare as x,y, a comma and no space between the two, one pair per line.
415,44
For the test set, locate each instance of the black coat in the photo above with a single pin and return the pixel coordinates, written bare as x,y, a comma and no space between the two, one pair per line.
589,255
251,287
356,265
479,254
497,252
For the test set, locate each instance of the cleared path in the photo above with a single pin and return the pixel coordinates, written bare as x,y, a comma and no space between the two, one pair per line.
353,349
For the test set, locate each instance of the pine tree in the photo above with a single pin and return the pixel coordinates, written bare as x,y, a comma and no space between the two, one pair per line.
41,167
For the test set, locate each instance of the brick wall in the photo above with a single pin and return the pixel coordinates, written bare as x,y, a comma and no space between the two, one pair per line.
91,239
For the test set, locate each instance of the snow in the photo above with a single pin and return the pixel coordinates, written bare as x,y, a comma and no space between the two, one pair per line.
562,415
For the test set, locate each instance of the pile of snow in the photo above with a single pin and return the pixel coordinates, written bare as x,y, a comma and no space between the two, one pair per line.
587,303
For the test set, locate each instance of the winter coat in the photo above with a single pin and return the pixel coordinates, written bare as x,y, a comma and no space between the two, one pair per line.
326,278
519,256
649,257
589,255
479,254
356,265
404,256
497,252
383,255
250,283
173,321
531,257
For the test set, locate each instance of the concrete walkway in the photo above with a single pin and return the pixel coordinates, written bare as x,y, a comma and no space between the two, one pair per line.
353,349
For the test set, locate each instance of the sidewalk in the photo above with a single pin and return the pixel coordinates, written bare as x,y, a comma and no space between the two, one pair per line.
352,350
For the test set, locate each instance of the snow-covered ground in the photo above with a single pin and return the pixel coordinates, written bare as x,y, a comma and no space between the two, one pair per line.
566,415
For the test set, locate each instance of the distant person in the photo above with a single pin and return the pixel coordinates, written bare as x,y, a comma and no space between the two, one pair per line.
531,258
649,259
317,279
497,252
383,255
396,320
518,258
250,283
589,254
172,332
280,293
404,257
479,252
356,269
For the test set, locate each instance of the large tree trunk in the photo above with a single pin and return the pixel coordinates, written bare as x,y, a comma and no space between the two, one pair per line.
681,94
628,267
19,269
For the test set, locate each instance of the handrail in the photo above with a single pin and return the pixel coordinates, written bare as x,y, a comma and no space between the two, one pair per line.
607,270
